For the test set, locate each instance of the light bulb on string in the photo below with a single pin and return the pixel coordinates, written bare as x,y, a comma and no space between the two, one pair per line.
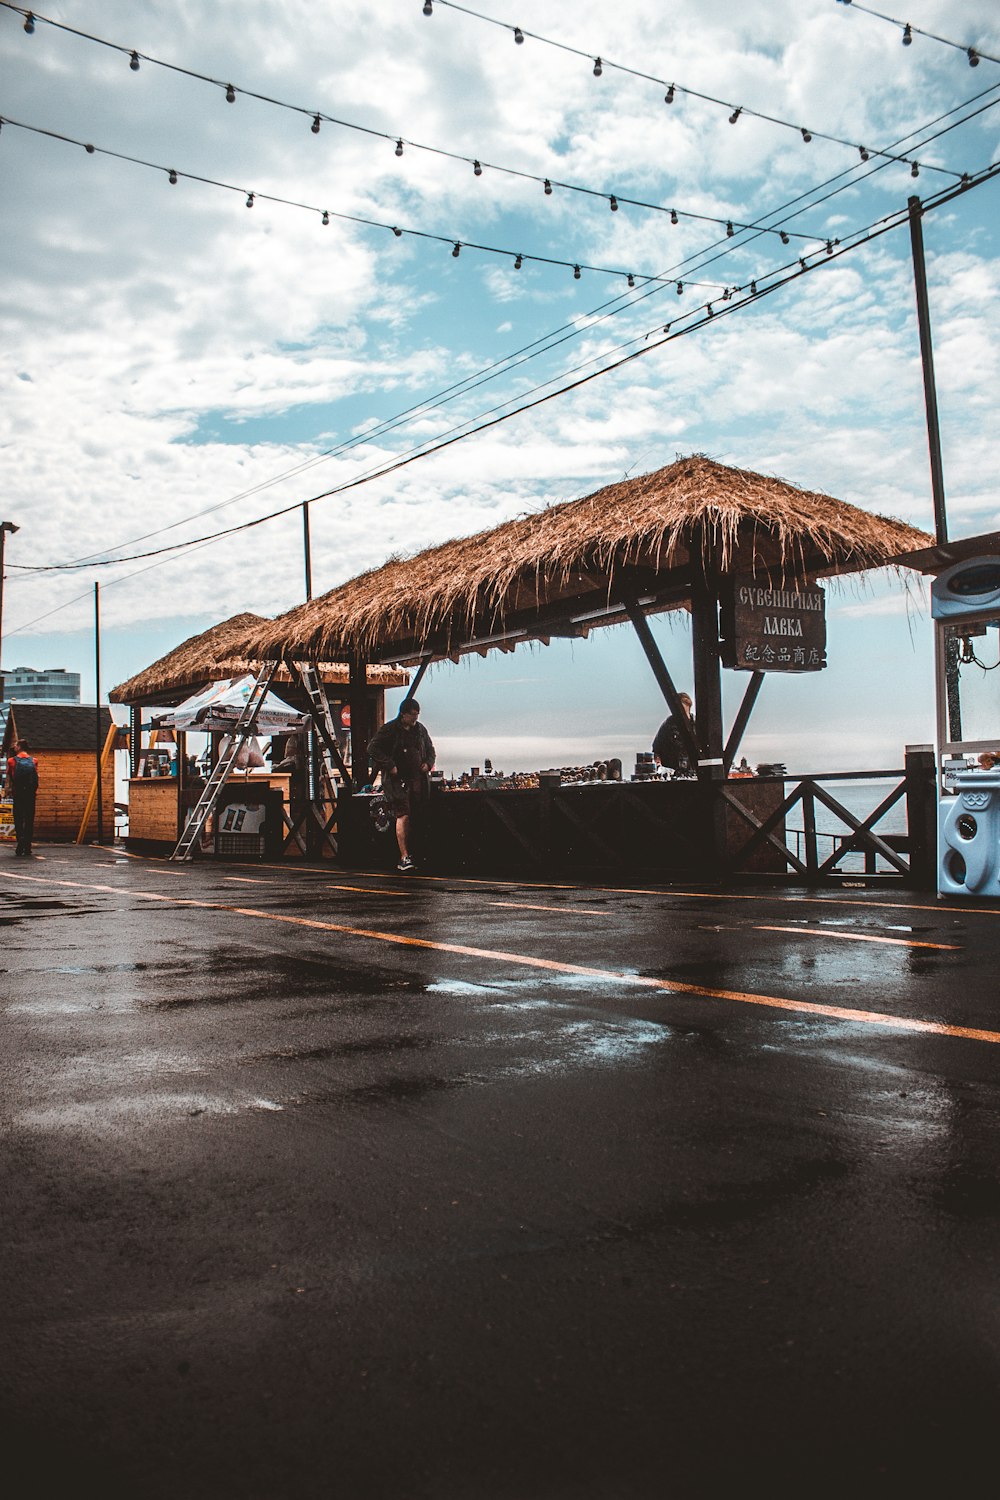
314,127
803,263
680,288
914,169
397,232
518,262
230,94
735,114
172,177
973,57
518,35
90,149
726,294
668,97
613,203
753,288
907,35
477,169
598,69
250,198
133,62
710,310
325,217
783,237
805,135
399,147
29,23
576,273
547,187
456,252
673,216
863,153
630,279
730,231
428,7
829,247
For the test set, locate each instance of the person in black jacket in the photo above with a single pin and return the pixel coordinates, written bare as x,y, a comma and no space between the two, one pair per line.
670,747
403,752
22,777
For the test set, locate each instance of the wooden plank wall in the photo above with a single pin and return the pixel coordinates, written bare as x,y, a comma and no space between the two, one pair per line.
65,778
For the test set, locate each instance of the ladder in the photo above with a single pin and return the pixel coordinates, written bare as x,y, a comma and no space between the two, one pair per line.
331,758
212,790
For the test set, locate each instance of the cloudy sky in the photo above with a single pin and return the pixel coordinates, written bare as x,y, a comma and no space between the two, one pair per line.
177,363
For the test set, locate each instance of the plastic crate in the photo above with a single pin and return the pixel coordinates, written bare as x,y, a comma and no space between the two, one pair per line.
239,845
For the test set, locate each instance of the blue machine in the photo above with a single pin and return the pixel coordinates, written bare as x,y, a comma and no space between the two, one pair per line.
969,836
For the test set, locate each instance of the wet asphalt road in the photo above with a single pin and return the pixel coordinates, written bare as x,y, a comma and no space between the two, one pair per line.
334,1184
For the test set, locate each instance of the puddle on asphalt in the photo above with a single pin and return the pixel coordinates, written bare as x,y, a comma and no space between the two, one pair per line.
105,1115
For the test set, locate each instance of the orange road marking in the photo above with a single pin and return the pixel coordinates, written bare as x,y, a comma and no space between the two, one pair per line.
583,911
365,890
669,986
857,937
248,880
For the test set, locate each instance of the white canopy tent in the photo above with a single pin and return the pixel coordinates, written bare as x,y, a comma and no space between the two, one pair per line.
217,709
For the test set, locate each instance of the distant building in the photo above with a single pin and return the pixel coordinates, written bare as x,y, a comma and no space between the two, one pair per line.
25,685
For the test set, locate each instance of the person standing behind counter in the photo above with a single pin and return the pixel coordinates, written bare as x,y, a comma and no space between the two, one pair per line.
670,747
403,752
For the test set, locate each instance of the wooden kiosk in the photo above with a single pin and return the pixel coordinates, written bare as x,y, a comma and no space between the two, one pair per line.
689,536
162,788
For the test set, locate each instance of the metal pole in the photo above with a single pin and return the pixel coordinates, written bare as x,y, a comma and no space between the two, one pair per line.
5,526
308,549
97,711
927,355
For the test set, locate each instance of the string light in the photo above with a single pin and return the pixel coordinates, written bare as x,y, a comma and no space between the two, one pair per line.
325,218
680,288
518,35
133,62
428,7
668,97
805,134
456,252
172,177
477,169
250,198
735,114
673,216
630,279
397,232
753,288
613,203
783,236
907,35
598,69
230,94
710,310
399,147
863,153
914,169
973,57
29,23
576,273
518,262
730,231
90,149
829,247
314,127
547,188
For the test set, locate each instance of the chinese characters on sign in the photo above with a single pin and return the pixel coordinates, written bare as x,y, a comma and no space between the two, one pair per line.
769,629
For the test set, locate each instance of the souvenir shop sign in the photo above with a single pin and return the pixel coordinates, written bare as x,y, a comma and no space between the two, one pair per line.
767,628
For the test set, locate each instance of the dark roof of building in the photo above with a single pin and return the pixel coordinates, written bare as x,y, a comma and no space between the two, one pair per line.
55,726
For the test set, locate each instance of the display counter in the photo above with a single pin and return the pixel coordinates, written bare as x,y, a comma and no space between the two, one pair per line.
158,808
656,829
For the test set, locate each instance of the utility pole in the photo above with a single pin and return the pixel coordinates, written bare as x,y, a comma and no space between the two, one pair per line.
5,526
927,356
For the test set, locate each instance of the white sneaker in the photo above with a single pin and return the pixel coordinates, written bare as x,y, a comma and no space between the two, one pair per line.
405,864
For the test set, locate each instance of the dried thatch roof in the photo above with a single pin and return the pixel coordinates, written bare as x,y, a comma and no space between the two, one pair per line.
216,654
563,570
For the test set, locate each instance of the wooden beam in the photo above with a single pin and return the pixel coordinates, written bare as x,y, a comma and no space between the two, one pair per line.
742,719
641,626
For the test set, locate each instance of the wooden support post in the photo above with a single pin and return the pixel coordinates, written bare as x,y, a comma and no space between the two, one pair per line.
742,720
708,690
361,727
92,796
666,683
921,815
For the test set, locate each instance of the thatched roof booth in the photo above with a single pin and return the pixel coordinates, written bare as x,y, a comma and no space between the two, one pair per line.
217,654
575,566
